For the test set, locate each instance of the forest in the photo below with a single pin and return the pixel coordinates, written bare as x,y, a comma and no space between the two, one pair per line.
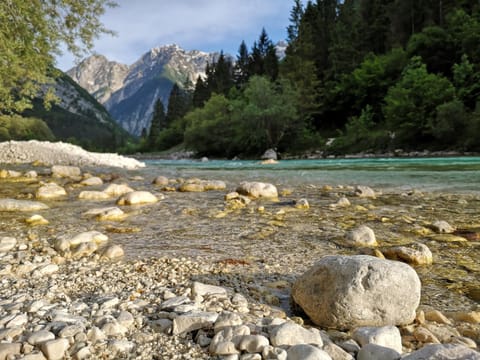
358,76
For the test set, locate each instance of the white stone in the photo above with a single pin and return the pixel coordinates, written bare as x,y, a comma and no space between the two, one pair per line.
70,330
113,328
442,227
18,321
336,352
227,319
40,336
34,356
122,346
362,236
45,270
200,289
253,343
444,352
193,321
55,349
290,333
386,336
66,171
377,352
364,192
21,205
92,181
306,352
137,198
257,190
7,243
9,349
50,191
87,237
93,195
161,181
112,251
351,291
96,335
274,353
117,189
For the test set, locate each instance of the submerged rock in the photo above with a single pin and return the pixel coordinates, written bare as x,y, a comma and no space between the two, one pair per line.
415,254
50,191
137,198
345,292
258,190
21,205
66,171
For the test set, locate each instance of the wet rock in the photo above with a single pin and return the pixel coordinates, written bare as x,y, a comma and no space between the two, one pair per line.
21,205
257,190
387,336
269,154
214,185
290,333
66,171
161,181
351,291
92,181
50,191
191,187
415,254
117,189
269,162
107,214
113,251
137,198
376,352
306,352
362,236
364,192
93,195
36,220
444,352
302,204
442,227
66,244
7,243
343,202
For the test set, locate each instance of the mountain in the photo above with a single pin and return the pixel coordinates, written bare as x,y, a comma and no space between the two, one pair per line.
78,117
130,92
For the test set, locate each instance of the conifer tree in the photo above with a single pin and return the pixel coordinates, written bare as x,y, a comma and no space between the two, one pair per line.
177,106
157,124
242,71
200,93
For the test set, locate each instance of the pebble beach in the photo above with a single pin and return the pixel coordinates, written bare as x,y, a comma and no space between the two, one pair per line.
102,263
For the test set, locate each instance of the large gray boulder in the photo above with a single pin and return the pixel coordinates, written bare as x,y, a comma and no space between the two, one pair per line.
345,292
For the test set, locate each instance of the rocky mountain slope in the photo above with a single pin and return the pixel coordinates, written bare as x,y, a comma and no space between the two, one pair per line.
130,92
78,117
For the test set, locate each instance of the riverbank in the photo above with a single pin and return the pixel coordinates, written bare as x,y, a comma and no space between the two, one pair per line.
200,269
58,153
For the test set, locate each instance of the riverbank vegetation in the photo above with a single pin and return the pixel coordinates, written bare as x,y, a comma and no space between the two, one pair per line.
376,75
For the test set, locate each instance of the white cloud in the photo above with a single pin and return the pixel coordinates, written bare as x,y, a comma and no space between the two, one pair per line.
209,25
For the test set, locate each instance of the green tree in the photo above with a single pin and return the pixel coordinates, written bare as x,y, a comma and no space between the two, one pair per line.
295,18
32,33
177,105
411,106
242,68
157,124
200,93
263,58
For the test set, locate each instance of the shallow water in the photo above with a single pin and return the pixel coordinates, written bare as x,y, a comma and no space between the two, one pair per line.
282,241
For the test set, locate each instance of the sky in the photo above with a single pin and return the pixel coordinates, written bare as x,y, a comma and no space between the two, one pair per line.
206,25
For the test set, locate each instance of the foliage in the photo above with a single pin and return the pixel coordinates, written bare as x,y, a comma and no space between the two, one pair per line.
411,105
23,128
31,34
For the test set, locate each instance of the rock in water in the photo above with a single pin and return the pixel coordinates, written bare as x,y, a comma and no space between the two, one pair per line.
345,292
270,154
137,198
257,190
21,205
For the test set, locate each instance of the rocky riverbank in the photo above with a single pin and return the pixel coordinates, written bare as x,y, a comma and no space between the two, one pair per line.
69,290
48,153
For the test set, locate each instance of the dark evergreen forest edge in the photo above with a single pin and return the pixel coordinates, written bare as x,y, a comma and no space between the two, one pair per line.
376,75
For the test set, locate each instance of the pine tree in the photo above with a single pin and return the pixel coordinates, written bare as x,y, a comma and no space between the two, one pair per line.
242,71
157,124
177,106
263,58
200,94
296,15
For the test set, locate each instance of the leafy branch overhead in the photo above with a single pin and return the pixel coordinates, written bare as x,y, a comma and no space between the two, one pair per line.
32,33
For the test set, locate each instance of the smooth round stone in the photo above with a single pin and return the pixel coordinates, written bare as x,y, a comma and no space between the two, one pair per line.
65,171
362,236
257,190
50,191
161,181
21,205
113,251
55,349
40,336
137,198
117,189
93,195
36,220
306,352
92,181
7,243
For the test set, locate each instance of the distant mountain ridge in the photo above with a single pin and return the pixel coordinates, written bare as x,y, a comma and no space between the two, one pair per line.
130,92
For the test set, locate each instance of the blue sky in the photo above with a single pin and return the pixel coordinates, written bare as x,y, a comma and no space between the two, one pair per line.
207,25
